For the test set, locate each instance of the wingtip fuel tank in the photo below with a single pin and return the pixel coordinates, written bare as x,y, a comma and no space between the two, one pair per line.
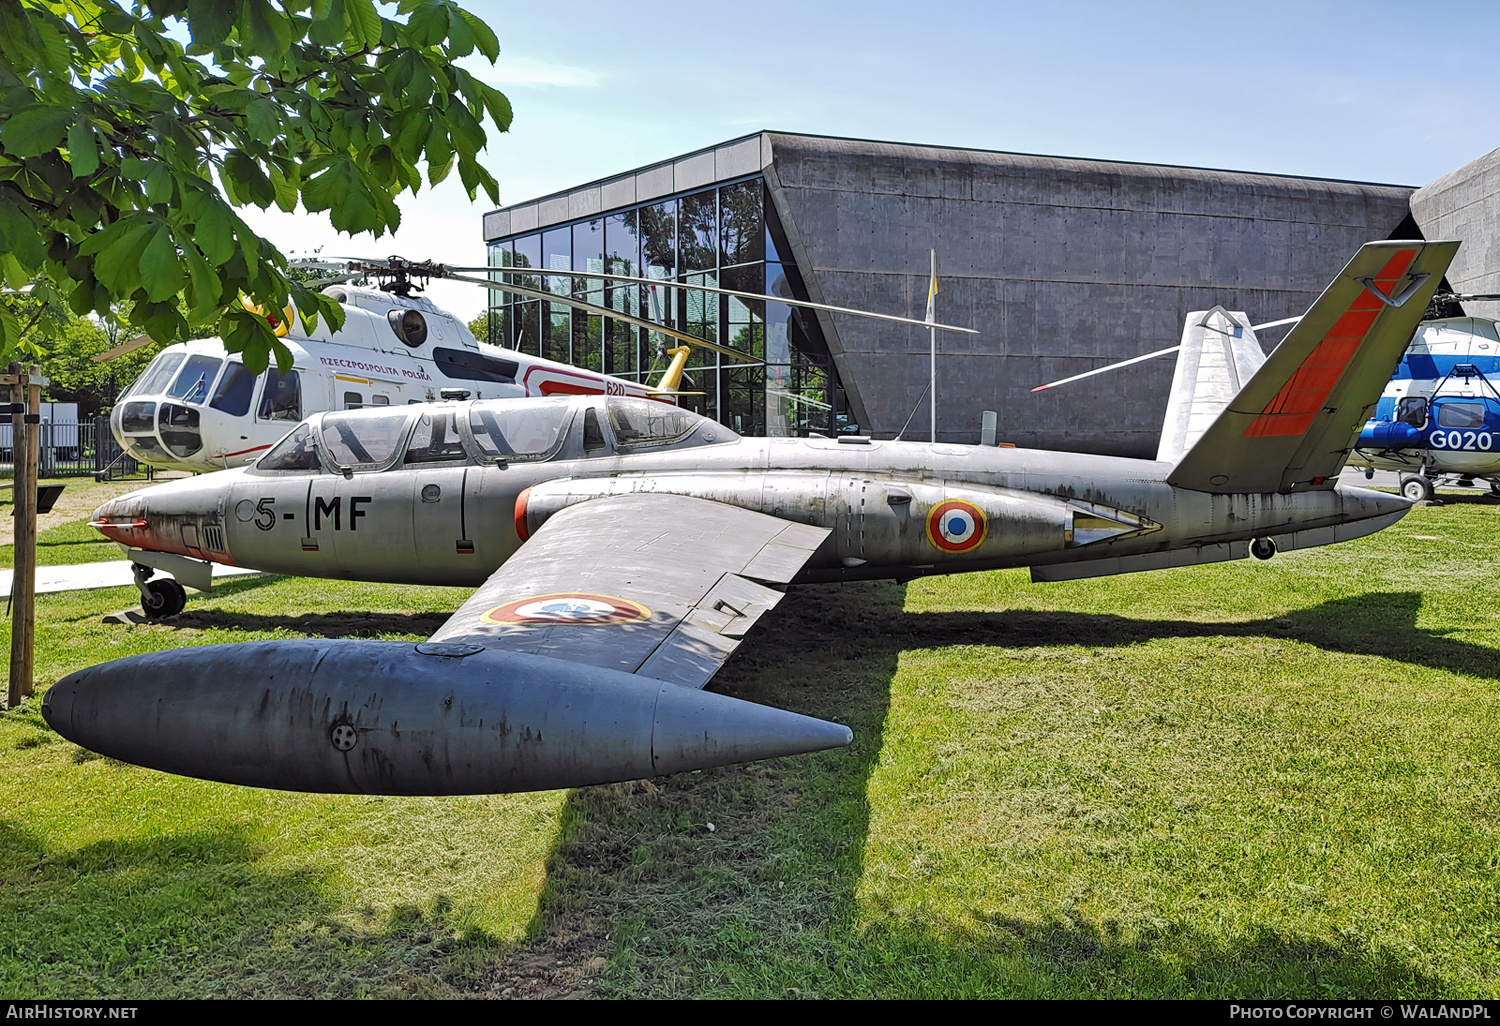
379,717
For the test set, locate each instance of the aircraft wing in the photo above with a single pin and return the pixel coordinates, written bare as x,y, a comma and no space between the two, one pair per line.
663,586
1294,422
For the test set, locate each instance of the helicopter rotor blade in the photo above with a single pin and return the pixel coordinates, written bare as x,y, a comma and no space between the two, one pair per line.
717,291
604,311
1110,367
123,349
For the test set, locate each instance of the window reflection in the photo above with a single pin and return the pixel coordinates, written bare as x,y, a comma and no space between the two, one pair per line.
296,451
698,236
281,399
725,235
742,236
356,439
519,429
435,439
195,378
232,396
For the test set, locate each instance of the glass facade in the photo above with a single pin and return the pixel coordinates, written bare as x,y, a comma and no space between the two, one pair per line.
782,383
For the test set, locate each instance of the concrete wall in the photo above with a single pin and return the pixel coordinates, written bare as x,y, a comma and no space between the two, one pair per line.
1465,205
1064,265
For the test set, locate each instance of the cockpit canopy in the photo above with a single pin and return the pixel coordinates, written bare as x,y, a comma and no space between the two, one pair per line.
488,431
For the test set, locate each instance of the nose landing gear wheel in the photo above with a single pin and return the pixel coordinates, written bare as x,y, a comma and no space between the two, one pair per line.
1263,548
1416,487
164,598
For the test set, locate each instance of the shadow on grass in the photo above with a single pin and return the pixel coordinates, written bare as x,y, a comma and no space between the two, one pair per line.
190,915
743,881
357,624
1378,624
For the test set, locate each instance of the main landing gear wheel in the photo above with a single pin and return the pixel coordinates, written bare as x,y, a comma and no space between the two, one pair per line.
1263,548
163,598
1416,487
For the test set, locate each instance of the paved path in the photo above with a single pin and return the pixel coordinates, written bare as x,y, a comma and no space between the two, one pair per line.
114,573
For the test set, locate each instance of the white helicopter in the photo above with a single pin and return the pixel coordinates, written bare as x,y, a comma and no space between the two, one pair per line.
196,407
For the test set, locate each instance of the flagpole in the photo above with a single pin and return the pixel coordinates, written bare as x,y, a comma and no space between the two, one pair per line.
932,332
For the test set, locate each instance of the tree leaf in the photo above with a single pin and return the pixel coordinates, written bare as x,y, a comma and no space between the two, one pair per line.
118,267
439,155
36,130
205,289
263,118
364,21
161,271
330,24
428,25
467,134
246,173
211,21
159,184
83,149
267,28
499,107
484,37
213,229
286,191
55,53
460,36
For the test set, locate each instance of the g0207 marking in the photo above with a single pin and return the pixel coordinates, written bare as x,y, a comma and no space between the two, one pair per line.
1471,440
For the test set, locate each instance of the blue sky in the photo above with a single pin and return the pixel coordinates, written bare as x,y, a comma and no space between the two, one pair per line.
1374,91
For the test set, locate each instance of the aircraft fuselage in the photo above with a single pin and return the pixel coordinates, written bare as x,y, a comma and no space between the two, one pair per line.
895,509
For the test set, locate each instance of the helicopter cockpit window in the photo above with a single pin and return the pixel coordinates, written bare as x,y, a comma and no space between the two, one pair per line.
647,422
1412,410
296,451
234,391
1463,416
519,429
158,374
354,439
593,434
195,379
435,440
282,396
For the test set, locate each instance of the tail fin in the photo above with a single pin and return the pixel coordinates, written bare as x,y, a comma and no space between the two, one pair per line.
1218,355
1292,425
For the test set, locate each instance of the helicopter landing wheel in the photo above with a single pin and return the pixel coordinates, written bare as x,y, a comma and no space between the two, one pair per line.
164,598
1416,487
1263,548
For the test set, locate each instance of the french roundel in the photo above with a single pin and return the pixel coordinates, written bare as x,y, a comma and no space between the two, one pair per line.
568,608
956,526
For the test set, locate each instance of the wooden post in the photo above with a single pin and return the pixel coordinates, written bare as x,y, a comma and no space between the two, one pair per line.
26,394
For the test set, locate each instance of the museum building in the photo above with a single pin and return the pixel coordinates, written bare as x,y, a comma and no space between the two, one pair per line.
1061,264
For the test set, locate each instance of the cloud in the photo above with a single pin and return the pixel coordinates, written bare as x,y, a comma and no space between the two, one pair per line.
525,73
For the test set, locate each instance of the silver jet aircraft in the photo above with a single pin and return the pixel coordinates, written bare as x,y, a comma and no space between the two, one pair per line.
622,548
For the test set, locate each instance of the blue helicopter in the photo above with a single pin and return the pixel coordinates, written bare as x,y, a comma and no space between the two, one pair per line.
1438,420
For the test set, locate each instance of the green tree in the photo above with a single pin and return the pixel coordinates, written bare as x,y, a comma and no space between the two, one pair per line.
124,151
479,327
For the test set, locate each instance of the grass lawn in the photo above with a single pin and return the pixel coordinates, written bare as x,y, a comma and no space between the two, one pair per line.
1245,780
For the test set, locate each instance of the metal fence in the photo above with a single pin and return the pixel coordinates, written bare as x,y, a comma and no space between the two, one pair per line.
72,450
